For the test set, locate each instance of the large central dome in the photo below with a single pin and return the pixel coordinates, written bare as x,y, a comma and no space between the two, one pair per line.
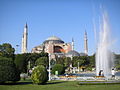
54,39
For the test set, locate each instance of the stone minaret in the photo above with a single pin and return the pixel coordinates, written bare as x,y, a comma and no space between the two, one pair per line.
85,43
24,39
72,44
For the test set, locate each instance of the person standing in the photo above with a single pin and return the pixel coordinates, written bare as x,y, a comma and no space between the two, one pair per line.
101,73
113,73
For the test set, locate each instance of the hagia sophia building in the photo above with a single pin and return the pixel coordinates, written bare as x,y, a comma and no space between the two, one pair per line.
54,46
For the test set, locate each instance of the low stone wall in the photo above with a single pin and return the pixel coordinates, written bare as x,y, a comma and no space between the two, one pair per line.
77,78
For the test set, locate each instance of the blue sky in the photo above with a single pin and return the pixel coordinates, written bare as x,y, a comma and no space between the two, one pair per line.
62,18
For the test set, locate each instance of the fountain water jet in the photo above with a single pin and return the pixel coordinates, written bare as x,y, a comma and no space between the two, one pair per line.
104,57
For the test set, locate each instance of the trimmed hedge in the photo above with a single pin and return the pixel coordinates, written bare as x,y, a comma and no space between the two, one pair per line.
39,75
8,70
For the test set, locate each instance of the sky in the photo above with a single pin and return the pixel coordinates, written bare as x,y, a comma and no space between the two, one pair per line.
65,19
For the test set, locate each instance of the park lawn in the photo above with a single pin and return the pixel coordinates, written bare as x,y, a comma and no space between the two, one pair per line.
57,85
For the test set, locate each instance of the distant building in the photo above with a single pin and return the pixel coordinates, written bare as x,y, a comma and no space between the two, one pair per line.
53,45
72,53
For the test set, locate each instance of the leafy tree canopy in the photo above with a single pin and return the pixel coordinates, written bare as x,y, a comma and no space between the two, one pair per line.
58,67
6,50
8,70
42,61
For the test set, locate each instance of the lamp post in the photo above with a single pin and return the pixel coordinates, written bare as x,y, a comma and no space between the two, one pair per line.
78,66
17,49
49,67
29,64
29,68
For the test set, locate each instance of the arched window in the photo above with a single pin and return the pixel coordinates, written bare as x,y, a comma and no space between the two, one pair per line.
58,49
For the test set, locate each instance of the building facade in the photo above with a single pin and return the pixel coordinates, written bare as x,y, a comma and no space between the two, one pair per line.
53,45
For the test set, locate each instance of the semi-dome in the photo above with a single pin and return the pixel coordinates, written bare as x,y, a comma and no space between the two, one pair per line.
72,53
83,54
54,39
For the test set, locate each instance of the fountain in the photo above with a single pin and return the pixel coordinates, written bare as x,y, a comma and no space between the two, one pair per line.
104,57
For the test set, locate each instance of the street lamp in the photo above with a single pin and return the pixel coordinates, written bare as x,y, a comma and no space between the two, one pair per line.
78,66
29,64
71,67
49,67
17,49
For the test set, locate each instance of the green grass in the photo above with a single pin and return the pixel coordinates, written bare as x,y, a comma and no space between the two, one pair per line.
57,85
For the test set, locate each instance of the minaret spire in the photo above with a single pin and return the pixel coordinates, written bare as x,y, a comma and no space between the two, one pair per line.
26,25
72,44
24,39
85,43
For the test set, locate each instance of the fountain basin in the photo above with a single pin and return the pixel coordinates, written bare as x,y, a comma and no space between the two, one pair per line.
98,82
99,77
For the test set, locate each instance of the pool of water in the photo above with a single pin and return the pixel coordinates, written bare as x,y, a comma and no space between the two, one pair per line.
93,74
117,74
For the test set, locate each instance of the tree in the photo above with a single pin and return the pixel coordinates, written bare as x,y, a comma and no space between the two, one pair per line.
32,57
39,75
60,61
117,61
21,63
8,70
42,61
52,62
81,59
21,60
67,61
6,50
92,60
58,67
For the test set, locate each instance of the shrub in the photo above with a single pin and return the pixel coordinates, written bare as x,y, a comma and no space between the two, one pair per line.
59,68
8,70
39,75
